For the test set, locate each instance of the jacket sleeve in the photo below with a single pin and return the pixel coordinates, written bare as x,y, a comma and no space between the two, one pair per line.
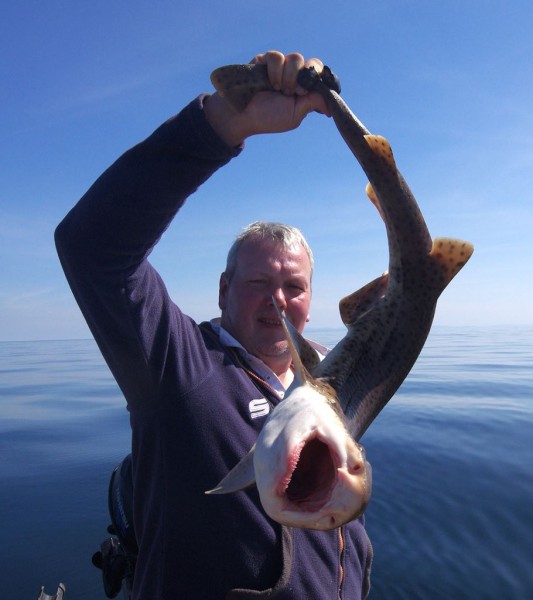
104,241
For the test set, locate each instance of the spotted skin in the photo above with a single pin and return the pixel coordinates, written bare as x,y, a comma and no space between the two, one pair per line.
239,83
387,320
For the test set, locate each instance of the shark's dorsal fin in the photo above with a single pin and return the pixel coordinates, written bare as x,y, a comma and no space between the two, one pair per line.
381,147
372,196
450,255
240,477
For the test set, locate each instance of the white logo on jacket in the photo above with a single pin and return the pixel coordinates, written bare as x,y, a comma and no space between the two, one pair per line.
259,407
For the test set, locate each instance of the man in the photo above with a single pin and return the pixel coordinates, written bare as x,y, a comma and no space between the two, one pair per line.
199,394
266,260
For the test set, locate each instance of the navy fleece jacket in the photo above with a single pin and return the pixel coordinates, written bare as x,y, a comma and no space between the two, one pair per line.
190,401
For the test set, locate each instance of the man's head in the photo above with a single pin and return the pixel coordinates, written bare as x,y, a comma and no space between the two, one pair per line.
266,259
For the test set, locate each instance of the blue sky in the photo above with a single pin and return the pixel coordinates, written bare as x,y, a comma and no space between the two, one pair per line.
449,84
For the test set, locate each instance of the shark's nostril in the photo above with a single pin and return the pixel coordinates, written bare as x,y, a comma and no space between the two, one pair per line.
356,467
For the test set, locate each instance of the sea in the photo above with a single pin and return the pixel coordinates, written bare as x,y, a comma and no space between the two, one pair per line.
451,516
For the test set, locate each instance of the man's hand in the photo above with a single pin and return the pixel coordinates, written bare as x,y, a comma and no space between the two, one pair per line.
268,112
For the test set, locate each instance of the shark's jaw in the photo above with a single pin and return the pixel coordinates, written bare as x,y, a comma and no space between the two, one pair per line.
309,472
308,485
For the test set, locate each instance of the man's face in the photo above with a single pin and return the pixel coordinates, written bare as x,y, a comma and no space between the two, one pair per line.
265,269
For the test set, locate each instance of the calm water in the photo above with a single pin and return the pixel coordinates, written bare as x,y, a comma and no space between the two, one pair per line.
452,455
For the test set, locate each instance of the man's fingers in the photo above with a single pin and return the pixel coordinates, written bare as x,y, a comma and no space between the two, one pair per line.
293,63
274,61
283,70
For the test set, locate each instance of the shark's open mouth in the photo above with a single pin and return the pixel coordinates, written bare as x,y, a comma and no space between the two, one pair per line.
314,477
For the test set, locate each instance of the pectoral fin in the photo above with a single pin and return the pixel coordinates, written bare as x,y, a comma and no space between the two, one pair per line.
301,375
242,476
308,355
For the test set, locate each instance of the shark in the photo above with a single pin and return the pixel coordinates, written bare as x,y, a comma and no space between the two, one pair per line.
307,463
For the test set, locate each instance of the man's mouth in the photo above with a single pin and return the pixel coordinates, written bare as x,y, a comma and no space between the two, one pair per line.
270,322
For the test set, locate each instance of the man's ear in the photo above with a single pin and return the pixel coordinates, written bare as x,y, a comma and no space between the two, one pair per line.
222,291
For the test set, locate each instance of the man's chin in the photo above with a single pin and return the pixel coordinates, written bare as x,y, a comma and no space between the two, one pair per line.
274,351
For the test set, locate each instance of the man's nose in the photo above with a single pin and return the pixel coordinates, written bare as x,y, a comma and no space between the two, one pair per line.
279,297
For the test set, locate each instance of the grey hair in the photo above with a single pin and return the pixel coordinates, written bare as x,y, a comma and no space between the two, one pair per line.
287,235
